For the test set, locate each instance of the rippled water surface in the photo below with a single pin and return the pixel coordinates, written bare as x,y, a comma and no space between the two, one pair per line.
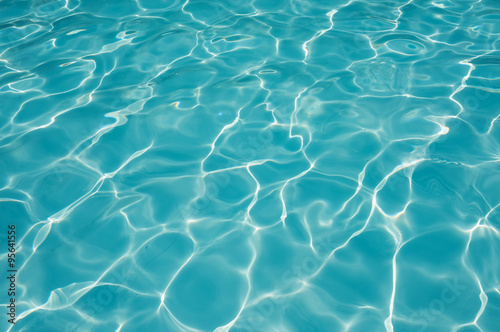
262,165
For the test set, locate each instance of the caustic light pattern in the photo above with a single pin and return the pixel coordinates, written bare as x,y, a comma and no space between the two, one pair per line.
198,165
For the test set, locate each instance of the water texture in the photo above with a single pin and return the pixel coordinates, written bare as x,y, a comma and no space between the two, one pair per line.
262,165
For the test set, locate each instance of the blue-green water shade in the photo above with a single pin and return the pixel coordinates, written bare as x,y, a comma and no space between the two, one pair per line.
251,165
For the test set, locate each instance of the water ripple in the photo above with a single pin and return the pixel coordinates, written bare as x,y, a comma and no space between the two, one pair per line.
251,165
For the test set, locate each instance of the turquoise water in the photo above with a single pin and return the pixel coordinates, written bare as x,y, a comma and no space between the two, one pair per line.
251,165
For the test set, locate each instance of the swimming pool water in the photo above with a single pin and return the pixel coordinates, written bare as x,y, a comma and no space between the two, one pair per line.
256,165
